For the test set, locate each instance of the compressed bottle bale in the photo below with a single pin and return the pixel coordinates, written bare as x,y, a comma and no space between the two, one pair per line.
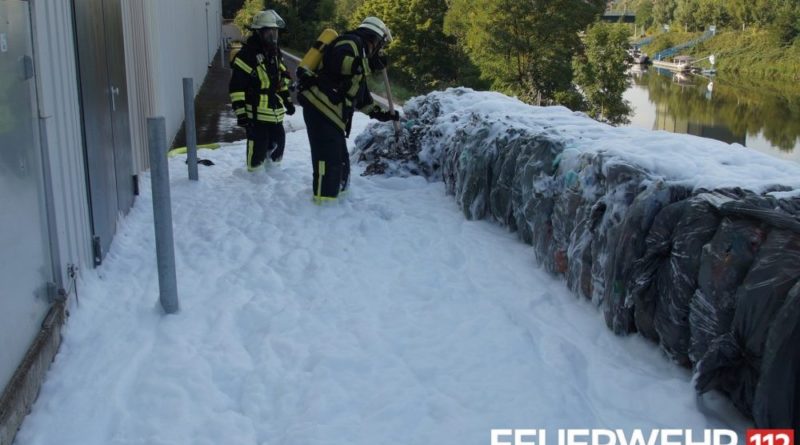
763,208
501,203
622,182
572,173
723,266
520,187
618,306
695,228
473,171
538,190
587,219
776,403
732,363
650,274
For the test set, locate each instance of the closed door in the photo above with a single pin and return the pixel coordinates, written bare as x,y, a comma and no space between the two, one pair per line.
109,160
24,242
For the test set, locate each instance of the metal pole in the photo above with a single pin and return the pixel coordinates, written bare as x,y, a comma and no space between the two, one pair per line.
221,49
391,102
162,214
189,127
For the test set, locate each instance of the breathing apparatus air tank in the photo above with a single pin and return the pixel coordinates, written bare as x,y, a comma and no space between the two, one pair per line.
313,57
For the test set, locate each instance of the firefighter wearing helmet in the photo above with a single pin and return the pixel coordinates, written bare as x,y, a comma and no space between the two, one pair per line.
331,92
259,90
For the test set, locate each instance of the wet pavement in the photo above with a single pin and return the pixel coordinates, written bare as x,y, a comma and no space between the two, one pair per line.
216,121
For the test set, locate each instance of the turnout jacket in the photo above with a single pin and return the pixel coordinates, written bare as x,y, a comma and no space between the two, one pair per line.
259,85
340,86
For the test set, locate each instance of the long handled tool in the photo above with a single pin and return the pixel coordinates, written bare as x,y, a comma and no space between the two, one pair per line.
391,103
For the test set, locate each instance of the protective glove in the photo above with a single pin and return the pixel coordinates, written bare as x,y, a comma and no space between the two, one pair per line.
378,62
385,116
243,121
306,79
289,108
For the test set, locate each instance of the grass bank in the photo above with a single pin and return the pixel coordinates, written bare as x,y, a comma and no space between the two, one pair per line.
749,54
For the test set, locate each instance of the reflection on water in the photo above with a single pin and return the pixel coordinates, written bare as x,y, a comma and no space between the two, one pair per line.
763,117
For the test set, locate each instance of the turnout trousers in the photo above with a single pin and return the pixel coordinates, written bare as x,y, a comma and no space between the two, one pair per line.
329,157
264,138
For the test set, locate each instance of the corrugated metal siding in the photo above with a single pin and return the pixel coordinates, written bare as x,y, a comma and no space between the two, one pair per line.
59,108
182,37
139,76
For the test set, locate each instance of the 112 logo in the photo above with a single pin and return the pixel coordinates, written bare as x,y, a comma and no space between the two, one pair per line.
770,437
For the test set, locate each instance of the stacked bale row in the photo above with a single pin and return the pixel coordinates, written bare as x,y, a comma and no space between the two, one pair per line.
712,276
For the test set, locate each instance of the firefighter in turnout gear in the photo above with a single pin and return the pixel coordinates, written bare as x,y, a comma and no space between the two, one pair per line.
332,92
259,90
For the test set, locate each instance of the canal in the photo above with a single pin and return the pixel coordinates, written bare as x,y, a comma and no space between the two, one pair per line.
761,116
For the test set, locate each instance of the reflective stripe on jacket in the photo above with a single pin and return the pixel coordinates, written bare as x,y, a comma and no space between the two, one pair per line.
259,84
342,82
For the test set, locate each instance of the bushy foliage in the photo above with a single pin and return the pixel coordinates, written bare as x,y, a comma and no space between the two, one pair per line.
600,72
523,48
696,15
422,56
305,20
244,17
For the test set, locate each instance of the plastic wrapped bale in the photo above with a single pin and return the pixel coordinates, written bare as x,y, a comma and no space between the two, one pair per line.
650,274
463,146
470,156
777,213
723,266
696,227
732,363
567,206
500,198
777,399
535,187
586,219
527,147
630,247
622,183
539,206
388,155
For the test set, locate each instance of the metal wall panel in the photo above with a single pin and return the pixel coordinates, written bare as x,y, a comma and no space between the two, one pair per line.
24,235
140,83
60,121
159,58
176,55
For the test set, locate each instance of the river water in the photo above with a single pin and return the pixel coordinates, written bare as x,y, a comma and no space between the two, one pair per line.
762,117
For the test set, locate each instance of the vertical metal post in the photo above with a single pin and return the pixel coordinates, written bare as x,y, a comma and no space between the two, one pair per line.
221,48
162,214
189,127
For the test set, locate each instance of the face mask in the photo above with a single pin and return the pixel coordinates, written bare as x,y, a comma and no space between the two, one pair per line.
269,36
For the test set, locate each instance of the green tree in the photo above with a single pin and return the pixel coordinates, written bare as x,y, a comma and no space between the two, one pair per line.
423,57
644,14
245,15
523,48
345,9
663,11
712,12
600,72
685,14
787,22
305,19
229,8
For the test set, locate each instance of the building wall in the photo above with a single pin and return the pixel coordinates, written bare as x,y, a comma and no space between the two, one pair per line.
59,111
164,41
169,56
141,86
